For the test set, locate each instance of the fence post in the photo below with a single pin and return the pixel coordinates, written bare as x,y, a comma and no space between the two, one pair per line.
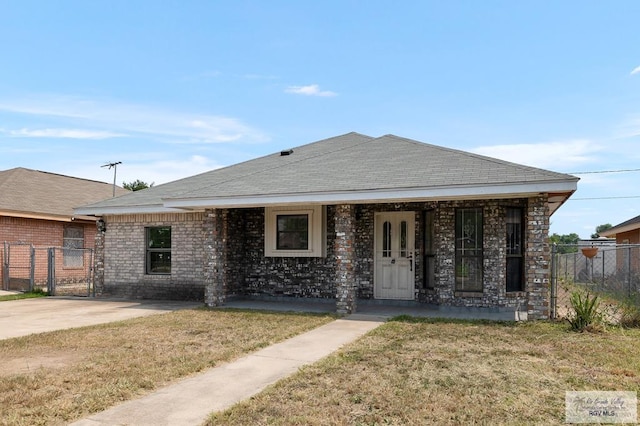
629,271
91,291
604,252
5,268
32,269
51,271
554,283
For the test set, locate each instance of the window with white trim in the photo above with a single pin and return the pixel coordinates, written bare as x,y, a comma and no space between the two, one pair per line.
295,231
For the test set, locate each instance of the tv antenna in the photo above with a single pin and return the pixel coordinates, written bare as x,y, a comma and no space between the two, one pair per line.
115,169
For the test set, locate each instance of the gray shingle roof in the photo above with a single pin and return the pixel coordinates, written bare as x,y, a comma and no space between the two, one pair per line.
347,163
35,193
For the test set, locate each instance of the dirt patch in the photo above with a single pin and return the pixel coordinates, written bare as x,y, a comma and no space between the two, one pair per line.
31,364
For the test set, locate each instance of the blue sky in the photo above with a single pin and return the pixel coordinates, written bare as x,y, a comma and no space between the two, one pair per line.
174,88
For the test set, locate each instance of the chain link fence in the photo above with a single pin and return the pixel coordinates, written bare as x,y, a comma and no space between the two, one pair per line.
58,270
610,271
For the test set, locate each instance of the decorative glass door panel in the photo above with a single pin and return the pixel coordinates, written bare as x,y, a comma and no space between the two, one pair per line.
394,260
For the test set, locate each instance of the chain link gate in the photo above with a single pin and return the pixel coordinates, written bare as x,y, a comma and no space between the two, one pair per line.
70,271
59,270
610,271
18,266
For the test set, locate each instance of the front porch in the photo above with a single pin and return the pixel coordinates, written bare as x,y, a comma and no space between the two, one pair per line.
377,309
384,258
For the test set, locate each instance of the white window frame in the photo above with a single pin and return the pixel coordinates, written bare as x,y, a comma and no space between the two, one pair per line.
317,231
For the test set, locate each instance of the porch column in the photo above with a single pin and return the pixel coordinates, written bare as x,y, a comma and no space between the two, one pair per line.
215,271
345,259
98,258
538,259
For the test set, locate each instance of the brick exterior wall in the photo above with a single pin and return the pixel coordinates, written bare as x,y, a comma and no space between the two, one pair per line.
312,277
124,258
221,253
42,234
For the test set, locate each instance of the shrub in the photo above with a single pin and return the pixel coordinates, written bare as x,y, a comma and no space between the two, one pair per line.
586,311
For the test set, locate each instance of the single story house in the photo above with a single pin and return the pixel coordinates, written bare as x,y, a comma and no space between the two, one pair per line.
627,232
627,235
36,209
350,218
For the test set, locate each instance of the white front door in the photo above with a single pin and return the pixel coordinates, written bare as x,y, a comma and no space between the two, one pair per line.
394,260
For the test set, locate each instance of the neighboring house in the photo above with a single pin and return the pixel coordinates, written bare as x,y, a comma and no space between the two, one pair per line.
352,218
36,209
627,234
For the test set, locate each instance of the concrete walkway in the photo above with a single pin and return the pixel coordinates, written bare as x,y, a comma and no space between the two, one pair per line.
190,401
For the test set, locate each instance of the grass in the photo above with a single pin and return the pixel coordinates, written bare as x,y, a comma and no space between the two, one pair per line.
27,295
448,372
58,377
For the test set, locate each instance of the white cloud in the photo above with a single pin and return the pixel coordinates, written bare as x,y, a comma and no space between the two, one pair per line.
310,90
565,155
163,171
150,170
126,118
636,70
62,133
630,128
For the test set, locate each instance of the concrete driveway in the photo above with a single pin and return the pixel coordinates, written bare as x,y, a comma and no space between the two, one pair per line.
28,316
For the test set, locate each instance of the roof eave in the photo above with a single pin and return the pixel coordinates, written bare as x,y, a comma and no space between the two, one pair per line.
117,210
45,216
563,189
612,232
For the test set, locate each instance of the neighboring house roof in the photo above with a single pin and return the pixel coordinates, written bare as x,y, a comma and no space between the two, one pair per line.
43,195
351,168
626,226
